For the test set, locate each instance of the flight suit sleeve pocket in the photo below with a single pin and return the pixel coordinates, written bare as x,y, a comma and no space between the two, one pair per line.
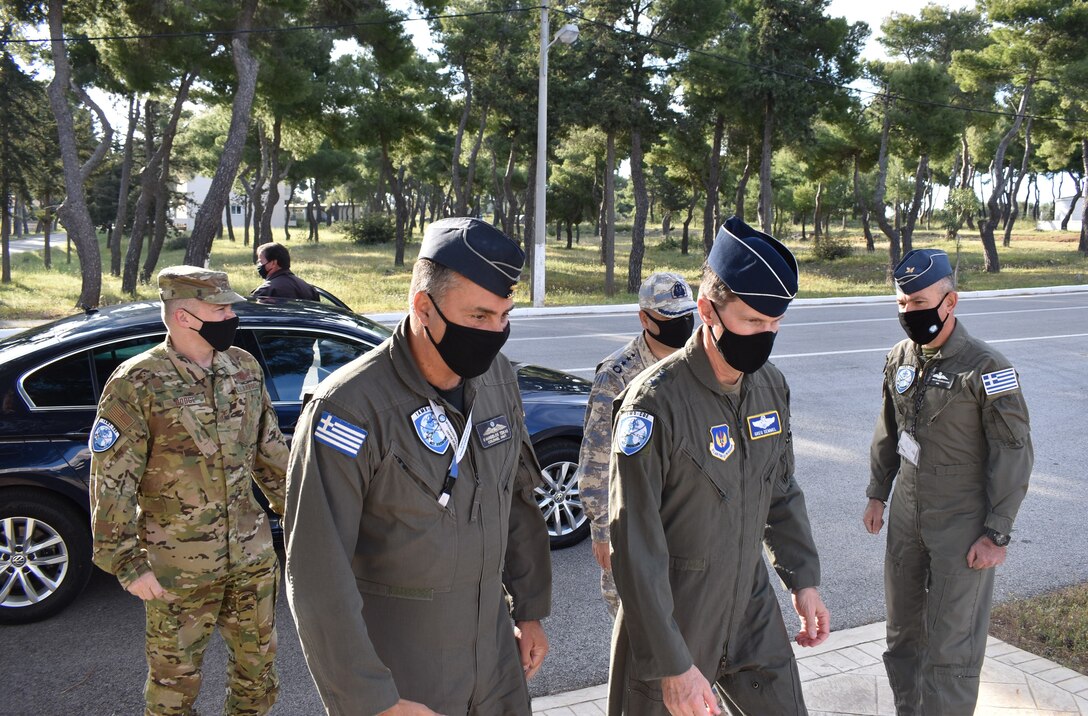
998,428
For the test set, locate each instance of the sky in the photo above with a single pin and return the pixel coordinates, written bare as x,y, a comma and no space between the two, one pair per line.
874,12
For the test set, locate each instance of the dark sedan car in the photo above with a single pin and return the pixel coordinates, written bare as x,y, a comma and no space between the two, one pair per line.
50,381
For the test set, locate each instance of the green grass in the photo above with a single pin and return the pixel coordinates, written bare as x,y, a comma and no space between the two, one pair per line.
1053,625
365,278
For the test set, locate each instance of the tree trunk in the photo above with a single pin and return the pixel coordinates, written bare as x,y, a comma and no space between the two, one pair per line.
986,226
470,177
508,192
906,234
209,217
684,238
711,183
863,209
816,227
74,213
742,183
459,202
143,203
608,232
638,230
121,217
1064,225
5,233
1014,205
879,207
1083,245
275,176
158,234
47,230
766,197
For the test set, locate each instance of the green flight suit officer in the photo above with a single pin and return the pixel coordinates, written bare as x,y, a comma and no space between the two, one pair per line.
953,437
701,480
418,566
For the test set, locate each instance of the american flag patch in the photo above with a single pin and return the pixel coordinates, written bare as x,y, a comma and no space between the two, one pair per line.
999,381
339,434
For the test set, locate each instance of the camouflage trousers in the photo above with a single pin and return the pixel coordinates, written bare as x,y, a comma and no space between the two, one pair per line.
243,606
608,592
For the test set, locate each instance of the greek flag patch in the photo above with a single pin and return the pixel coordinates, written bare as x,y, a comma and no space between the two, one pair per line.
1000,381
339,434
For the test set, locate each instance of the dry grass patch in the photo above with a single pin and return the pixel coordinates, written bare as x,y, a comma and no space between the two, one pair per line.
1052,625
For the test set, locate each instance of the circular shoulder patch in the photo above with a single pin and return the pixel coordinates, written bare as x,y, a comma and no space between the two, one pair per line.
103,436
633,431
904,377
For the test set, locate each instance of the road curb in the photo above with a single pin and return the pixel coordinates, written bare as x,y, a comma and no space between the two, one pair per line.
626,308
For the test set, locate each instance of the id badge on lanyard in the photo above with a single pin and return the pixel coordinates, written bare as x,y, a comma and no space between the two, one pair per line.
461,442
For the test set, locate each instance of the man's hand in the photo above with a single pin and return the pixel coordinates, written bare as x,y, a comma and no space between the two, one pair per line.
408,708
147,587
602,554
873,519
984,554
815,619
532,644
689,694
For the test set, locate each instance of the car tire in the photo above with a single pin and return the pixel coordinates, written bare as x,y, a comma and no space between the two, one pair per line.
43,572
558,496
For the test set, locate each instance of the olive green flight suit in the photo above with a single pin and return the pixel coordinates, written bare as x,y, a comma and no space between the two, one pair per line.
693,501
394,595
172,494
972,474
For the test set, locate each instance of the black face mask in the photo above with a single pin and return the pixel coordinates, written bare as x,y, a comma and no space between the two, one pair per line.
673,332
467,351
923,325
218,334
262,270
745,353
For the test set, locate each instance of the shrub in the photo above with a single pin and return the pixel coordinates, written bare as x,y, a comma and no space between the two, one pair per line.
175,241
371,229
829,248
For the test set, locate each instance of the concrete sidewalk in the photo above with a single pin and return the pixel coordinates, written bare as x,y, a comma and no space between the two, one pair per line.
845,676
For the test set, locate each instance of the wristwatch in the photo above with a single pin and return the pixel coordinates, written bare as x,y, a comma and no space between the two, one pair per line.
997,538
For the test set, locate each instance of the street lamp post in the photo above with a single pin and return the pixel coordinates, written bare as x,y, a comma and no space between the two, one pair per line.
567,34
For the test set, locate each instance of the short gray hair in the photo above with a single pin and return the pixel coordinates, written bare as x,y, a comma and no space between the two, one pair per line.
948,283
714,288
431,278
172,304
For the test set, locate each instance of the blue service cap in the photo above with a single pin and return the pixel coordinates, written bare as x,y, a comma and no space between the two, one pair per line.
921,268
476,250
755,266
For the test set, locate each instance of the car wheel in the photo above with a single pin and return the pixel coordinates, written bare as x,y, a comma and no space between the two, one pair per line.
559,497
45,555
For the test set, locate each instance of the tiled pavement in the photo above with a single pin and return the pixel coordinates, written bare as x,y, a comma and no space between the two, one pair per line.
844,676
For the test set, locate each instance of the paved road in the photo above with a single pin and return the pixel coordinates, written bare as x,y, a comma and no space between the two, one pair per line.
89,660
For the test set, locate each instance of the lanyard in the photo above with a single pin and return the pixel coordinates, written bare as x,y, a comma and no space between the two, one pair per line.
448,430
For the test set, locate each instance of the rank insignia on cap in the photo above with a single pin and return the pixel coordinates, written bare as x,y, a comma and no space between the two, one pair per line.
103,436
721,444
339,434
764,425
429,431
633,431
904,377
1000,381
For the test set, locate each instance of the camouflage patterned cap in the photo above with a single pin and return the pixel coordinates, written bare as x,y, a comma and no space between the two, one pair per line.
195,282
667,293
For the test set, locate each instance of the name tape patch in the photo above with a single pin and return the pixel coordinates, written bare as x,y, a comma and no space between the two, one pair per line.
764,425
493,431
339,434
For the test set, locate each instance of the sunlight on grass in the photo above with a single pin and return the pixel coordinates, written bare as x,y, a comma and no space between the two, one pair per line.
364,276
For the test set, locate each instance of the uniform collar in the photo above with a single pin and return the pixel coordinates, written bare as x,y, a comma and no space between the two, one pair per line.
696,356
955,343
404,363
643,349
190,371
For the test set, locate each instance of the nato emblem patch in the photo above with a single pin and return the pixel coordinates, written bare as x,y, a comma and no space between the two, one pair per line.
339,434
493,431
904,378
721,444
633,431
764,425
428,430
103,436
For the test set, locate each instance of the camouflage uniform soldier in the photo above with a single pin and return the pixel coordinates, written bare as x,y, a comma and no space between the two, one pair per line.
182,432
667,314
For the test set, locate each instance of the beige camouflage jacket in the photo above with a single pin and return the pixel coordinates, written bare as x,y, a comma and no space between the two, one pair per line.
613,375
174,452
